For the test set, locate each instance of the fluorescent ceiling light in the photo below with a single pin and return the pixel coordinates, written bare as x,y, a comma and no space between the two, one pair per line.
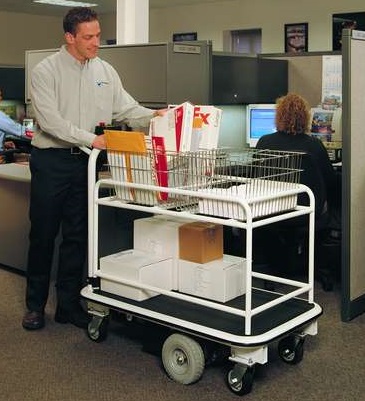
66,3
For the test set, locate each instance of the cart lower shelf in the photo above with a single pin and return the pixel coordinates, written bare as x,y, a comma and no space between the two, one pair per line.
214,324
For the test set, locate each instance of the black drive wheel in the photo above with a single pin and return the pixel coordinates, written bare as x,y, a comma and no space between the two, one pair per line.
183,359
291,349
244,385
97,329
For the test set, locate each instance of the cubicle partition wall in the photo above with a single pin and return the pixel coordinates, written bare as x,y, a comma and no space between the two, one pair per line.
305,77
305,73
157,74
14,205
353,196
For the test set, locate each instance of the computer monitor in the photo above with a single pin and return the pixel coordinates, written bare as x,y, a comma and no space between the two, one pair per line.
232,126
260,120
326,124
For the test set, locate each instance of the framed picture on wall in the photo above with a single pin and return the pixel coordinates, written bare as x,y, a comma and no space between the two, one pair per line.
296,37
184,36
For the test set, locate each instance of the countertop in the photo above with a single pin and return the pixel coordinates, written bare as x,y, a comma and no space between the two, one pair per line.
15,172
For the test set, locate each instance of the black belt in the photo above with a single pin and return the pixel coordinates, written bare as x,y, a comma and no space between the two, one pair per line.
75,150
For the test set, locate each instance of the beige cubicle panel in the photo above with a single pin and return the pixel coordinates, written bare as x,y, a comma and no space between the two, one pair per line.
14,205
115,227
353,262
305,78
305,74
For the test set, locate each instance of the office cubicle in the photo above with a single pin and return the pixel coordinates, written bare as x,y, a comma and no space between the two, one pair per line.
353,126
305,78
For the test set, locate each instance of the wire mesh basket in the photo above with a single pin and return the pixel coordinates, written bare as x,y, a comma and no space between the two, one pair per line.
154,167
258,176
249,174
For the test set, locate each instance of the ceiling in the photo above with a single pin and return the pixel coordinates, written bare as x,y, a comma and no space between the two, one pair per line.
104,7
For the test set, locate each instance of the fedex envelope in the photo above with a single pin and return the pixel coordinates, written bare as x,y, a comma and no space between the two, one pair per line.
206,127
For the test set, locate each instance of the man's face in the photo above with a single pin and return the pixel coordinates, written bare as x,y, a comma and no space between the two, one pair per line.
85,43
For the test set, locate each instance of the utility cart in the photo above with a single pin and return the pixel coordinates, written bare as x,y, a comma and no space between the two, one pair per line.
242,190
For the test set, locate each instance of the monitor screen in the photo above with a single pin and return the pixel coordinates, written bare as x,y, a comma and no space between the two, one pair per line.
260,121
232,126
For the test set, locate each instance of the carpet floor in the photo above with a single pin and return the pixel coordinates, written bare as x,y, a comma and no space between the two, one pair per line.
60,363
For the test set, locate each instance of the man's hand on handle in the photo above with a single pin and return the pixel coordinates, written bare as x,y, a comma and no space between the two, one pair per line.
99,142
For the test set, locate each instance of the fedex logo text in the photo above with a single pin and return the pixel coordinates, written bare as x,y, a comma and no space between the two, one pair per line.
204,116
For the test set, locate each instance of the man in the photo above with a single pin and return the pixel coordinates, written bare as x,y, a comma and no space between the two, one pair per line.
72,92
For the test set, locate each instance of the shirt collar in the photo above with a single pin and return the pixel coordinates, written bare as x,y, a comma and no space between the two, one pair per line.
71,59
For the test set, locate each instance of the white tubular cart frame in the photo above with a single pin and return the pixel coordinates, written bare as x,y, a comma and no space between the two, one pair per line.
248,344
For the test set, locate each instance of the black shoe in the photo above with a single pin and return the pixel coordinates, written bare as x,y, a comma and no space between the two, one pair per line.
76,316
33,320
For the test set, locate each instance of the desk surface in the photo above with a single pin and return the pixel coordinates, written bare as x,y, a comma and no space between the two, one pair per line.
15,172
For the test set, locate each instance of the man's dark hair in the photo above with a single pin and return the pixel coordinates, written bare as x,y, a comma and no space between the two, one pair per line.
76,16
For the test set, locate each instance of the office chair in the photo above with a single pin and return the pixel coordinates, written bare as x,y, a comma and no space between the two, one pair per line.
329,253
282,248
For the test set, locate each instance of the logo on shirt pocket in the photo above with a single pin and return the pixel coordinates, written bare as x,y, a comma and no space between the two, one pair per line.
100,84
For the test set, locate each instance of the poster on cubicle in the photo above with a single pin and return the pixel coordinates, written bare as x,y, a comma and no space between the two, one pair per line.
332,82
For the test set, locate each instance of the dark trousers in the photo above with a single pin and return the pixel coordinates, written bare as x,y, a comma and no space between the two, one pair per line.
58,201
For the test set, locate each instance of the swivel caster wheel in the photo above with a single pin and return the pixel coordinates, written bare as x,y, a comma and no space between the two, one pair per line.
97,329
291,349
240,379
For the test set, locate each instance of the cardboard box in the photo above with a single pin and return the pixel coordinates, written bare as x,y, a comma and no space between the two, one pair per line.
139,267
201,242
219,280
159,235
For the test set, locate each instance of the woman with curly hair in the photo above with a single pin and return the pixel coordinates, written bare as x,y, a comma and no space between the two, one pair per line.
292,124
292,114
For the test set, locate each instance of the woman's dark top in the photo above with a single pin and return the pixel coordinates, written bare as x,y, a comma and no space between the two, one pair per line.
319,175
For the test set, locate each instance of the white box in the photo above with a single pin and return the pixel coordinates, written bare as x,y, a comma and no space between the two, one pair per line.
159,235
219,280
139,267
